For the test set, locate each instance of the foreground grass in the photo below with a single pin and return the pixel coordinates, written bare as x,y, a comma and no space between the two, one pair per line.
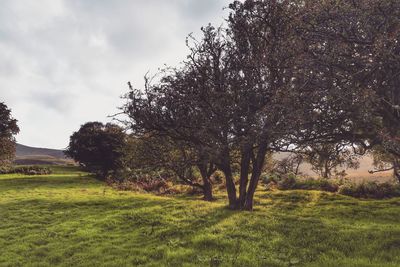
69,218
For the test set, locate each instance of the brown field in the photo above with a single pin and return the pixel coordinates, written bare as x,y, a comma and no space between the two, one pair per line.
357,175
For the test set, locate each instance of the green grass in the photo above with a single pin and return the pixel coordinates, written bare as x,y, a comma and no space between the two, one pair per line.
70,219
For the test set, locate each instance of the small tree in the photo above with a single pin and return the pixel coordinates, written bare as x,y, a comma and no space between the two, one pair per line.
8,128
325,159
385,161
98,147
289,164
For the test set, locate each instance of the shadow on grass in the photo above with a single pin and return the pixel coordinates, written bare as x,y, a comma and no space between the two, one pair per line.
150,227
120,228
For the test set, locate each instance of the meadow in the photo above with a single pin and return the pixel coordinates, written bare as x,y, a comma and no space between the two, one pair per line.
69,218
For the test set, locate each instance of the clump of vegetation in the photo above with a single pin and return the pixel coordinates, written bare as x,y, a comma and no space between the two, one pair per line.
98,148
319,184
27,170
285,174
166,159
293,182
8,129
367,190
370,190
147,185
141,182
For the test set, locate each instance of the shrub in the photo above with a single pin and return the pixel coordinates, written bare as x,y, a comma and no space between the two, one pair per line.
267,178
27,170
287,182
370,190
318,184
138,181
291,182
148,185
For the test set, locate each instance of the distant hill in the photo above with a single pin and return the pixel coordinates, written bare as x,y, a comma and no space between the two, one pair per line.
23,151
26,155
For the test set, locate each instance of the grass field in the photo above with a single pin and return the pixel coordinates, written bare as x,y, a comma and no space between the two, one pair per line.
70,219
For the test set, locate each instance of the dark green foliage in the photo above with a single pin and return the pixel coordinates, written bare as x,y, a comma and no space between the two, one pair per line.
8,128
27,170
373,190
370,190
287,182
319,184
98,147
292,182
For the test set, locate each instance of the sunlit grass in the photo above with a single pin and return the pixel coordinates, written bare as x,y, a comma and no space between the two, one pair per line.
71,219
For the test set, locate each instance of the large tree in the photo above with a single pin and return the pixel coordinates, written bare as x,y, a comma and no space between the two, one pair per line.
8,128
353,53
284,75
234,93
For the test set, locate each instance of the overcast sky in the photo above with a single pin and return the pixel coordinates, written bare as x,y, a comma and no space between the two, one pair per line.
66,62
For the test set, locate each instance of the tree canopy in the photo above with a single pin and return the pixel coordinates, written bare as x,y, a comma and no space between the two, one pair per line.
283,75
98,147
8,128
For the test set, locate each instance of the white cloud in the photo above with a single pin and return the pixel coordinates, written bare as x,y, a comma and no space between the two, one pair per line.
65,62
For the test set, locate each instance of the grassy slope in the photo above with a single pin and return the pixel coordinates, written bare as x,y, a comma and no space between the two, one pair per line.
70,219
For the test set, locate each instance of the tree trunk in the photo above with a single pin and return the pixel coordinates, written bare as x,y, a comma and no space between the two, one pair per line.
255,176
207,186
225,167
396,169
326,170
244,175
230,187
207,190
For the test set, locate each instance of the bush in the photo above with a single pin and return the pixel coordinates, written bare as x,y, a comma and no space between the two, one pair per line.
366,190
287,182
27,170
292,182
267,178
158,183
154,186
318,184
148,185
370,190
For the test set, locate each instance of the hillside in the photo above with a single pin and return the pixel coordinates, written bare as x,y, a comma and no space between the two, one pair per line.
26,155
23,151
